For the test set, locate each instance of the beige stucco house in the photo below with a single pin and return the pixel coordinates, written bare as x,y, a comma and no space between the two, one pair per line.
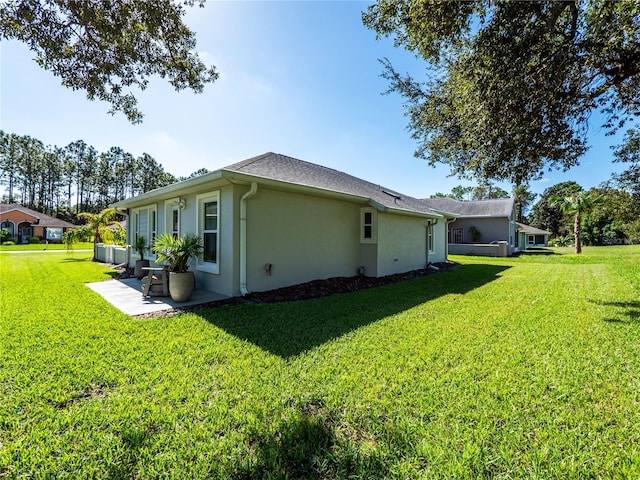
481,227
486,227
531,237
273,221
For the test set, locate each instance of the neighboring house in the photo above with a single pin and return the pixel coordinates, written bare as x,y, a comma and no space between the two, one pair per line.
491,222
24,223
529,236
273,221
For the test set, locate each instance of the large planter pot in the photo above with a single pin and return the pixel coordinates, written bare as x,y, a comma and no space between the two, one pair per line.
181,285
137,271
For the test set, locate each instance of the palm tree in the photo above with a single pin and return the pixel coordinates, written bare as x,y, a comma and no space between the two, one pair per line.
577,204
99,225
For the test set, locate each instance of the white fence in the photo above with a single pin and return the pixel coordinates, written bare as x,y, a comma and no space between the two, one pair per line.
113,254
500,249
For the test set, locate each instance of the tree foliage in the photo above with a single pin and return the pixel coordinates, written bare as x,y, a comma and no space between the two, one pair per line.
58,180
578,205
484,191
608,222
511,85
102,227
547,215
629,152
105,48
613,218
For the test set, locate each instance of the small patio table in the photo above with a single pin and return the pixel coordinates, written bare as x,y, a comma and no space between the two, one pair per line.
155,279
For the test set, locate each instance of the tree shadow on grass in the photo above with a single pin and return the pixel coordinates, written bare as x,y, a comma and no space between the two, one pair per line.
631,310
306,446
288,329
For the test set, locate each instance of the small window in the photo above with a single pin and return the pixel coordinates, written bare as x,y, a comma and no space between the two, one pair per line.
457,235
175,222
54,233
531,240
154,227
7,225
367,225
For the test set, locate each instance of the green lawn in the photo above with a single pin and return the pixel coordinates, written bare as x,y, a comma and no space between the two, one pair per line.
523,367
40,246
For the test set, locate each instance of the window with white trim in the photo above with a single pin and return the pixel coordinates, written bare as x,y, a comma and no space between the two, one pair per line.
368,225
175,221
209,230
144,222
9,226
153,227
457,234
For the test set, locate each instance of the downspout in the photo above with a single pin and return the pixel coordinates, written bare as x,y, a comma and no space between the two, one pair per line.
429,225
446,238
125,213
243,237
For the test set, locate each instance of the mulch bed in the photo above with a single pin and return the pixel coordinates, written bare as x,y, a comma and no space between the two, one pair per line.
330,286
303,291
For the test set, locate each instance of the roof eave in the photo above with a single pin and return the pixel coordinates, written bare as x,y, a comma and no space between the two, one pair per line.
168,191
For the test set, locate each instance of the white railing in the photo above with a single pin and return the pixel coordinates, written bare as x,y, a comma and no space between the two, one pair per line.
499,249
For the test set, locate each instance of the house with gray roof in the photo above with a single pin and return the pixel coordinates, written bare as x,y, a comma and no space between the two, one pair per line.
273,221
529,237
486,227
481,227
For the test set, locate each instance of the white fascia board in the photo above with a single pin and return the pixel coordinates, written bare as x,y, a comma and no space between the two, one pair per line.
162,193
442,213
413,213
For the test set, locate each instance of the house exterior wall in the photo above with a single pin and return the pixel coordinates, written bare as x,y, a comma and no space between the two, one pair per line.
17,216
402,244
491,229
293,237
538,240
21,222
227,279
302,238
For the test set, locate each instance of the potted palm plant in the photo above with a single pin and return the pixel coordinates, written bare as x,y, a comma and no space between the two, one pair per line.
140,246
177,254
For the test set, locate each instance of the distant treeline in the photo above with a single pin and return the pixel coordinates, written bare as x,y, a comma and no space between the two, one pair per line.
63,181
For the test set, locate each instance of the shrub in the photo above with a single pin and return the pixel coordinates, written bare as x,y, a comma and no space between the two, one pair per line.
34,240
475,234
5,236
9,242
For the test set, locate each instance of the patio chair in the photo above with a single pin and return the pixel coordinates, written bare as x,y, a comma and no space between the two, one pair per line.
156,283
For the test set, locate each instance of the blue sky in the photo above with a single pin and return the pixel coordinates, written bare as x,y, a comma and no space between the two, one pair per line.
296,77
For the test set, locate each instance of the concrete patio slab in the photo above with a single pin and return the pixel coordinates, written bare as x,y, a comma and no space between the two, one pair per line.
126,295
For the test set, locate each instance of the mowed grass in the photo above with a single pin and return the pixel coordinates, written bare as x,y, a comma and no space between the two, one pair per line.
500,368
41,246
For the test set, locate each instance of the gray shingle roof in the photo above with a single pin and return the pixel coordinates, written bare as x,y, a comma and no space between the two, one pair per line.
501,207
282,168
531,230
